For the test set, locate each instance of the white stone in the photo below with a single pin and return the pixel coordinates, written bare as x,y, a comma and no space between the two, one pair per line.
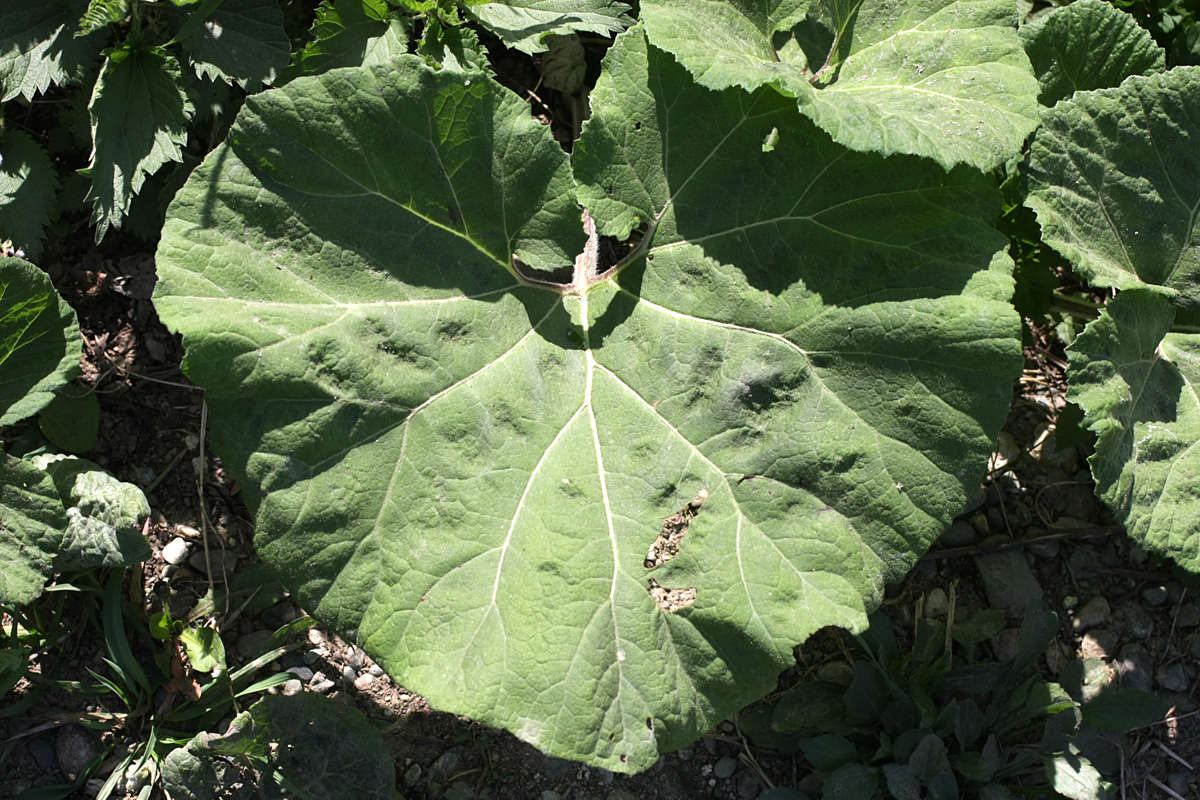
176,551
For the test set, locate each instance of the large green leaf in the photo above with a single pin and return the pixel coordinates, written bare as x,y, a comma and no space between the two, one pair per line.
524,24
39,341
139,116
38,46
597,507
1114,178
1138,387
946,79
1087,45
242,40
31,525
350,33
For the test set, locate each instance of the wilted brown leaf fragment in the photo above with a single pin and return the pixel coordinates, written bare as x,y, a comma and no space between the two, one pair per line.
671,600
675,527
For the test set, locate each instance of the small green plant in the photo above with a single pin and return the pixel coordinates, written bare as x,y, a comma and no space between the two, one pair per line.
933,725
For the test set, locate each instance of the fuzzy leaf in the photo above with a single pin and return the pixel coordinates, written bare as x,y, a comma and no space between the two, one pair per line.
31,525
139,117
524,24
1138,388
38,46
27,190
350,33
945,79
600,509
102,13
1087,45
243,41
104,515
40,346
1114,178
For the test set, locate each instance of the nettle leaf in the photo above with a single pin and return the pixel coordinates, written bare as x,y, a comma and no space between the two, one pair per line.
38,46
1114,177
595,506
139,114
243,41
524,24
1087,45
1138,386
28,184
946,79
350,33
40,346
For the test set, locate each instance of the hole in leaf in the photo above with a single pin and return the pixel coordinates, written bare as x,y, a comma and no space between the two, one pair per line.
671,600
674,528
650,723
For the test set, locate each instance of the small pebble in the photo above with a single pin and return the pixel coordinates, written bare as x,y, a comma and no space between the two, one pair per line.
224,562
303,673
348,674
1155,595
355,657
1178,783
363,682
1172,677
316,636
292,687
937,605
251,645
314,655
412,774
321,684
1187,616
1094,612
376,671
176,551
1134,665
725,767
169,571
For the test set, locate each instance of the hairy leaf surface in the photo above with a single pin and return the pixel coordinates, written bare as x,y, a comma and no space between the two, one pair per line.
523,24
39,341
1138,386
946,79
243,41
38,46
1114,178
31,525
1087,45
597,506
139,117
27,189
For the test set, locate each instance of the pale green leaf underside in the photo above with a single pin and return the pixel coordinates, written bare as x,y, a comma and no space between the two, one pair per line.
523,24
947,79
1138,386
139,122
1087,45
38,46
465,470
1115,180
39,341
243,41
28,186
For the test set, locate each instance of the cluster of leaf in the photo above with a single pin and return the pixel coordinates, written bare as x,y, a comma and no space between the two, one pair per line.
154,74
924,725
462,430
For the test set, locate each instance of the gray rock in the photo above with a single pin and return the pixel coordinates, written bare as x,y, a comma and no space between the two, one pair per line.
684,754
1178,783
363,682
42,752
314,655
355,657
445,765
224,562
251,645
1005,644
348,674
176,551
1085,564
376,671
1043,548
1172,677
1135,620
1155,595
725,767
748,786
280,614
557,769
937,605
292,687
975,501
1098,643
1094,612
1007,579
1187,616
412,774
303,673
320,683
979,522
74,747
1134,665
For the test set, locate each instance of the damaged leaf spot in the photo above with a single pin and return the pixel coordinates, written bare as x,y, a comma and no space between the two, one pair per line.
671,600
675,527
